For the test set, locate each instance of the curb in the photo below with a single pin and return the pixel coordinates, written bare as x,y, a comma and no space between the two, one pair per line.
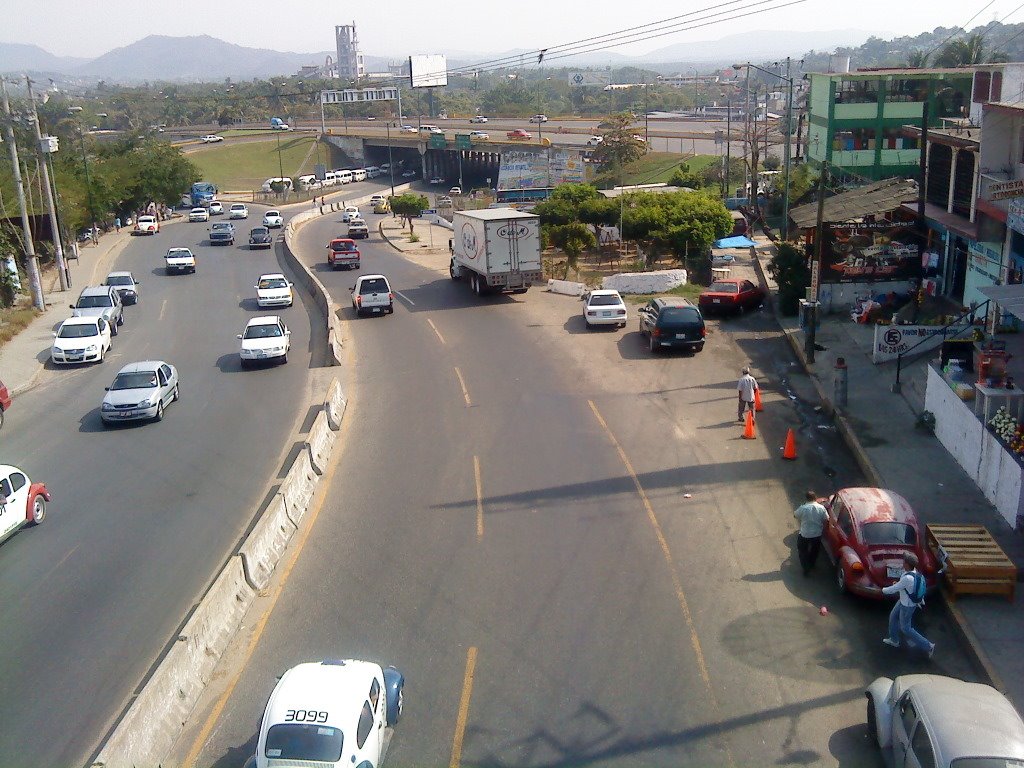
965,634
380,227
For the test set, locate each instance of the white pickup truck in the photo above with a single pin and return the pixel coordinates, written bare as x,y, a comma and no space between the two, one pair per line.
180,260
372,294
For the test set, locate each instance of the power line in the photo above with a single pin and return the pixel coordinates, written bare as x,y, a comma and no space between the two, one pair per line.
960,29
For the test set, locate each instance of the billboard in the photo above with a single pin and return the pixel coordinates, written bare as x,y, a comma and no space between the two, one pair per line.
523,169
358,95
583,79
428,70
871,252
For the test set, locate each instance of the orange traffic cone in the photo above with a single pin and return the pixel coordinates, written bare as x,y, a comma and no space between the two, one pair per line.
789,452
748,430
757,400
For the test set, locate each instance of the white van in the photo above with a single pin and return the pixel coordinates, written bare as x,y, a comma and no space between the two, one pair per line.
428,128
330,179
344,177
308,181
359,174
372,172
288,186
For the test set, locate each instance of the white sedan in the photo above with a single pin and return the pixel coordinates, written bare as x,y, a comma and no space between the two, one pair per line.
408,129
198,214
140,392
604,307
211,139
478,119
273,290
81,340
272,219
238,211
593,141
331,713
479,135
264,338
350,212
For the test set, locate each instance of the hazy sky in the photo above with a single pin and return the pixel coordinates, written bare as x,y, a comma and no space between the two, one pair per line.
398,28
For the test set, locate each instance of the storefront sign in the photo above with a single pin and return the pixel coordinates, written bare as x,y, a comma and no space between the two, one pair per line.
1004,189
891,341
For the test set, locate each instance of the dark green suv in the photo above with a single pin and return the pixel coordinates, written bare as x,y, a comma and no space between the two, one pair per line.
670,322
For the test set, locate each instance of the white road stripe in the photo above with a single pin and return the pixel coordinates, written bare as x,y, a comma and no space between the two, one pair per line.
405,298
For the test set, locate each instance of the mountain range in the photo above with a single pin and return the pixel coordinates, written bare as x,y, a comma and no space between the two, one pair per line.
205,58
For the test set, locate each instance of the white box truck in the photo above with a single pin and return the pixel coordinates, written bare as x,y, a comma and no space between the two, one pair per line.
497,249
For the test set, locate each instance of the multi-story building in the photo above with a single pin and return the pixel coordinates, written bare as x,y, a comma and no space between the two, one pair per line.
350,60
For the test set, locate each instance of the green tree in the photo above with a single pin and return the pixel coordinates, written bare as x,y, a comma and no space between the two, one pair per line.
573,239
772,163
684,177
409,206
620,145
966,52
918,59
788,268
682,223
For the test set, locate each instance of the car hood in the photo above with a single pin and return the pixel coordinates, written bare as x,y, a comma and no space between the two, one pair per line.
79,343
267,343
129,396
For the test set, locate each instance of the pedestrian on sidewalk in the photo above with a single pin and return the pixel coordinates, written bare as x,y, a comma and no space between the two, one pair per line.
117,224
745,388
812,516
911,589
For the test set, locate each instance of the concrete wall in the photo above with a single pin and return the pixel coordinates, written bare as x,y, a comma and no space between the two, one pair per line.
352,146
645,282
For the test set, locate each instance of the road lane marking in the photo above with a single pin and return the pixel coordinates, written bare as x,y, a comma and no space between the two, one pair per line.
405,298
460,723
437,332
465,392
479,499
163,308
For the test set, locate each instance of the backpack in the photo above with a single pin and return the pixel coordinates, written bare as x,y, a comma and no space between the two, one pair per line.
916,593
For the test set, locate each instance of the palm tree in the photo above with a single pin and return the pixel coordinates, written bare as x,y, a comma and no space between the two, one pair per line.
918,59
967,52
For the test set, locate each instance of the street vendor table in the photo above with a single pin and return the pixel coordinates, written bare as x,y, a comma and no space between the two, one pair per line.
972,560
1013,399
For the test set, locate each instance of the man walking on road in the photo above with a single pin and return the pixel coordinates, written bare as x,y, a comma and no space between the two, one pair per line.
745,388
812,516
911,589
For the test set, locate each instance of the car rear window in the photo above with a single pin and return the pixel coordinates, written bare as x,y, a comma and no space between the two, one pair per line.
373,286
889,533
679,315
343,245
724,288
304,741
605,300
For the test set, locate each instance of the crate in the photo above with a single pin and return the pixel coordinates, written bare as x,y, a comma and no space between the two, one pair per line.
973,561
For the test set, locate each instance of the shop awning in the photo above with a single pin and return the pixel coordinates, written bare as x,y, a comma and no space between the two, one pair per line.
1009,297
740,241
874,199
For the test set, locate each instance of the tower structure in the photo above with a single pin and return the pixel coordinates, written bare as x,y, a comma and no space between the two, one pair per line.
350,60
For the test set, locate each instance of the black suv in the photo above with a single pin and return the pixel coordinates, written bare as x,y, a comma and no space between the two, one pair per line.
671,323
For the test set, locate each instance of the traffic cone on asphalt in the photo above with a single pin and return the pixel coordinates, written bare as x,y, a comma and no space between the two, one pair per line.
748,430
757,400
789,452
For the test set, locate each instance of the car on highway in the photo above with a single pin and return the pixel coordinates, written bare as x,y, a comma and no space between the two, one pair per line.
410,174
273,290
942,722
479,136
140,392
358,230
443,201
198,214
179,260
671,322
211,139
372,294
81,340
519,133
264,339
455,191
5,402
272,219
866,534
408,129
330,713
24,503
100,301
604,307
222,233
539,119
146,225
260,237
342,253
350,212
216,208
478,119
732,295
238,211
437,180
126,285
375,199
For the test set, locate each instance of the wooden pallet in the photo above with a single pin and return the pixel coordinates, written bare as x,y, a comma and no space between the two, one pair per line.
974,562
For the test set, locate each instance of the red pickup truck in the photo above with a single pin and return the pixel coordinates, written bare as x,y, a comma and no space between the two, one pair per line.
342,253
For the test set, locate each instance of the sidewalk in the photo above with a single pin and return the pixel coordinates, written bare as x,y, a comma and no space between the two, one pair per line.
879,427
433,242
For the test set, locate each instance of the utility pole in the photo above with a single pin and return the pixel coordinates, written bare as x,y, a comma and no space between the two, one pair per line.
32,263
787,159
819,244
54,228
728,148
922,196
746,130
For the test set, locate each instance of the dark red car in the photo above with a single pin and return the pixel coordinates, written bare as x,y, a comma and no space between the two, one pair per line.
732,295
867,532
519,133
5,401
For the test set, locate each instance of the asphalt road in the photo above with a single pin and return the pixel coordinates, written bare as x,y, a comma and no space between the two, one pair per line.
142,515
624,578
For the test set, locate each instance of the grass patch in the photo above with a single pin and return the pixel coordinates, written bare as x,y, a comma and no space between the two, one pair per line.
13,320
654,168
248,165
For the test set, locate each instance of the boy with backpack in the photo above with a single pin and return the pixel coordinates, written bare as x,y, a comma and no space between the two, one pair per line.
911,588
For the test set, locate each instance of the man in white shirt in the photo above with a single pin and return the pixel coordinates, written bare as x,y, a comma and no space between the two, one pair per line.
812,516
745,388
902,615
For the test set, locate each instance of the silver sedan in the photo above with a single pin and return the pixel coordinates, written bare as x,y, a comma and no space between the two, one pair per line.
140,392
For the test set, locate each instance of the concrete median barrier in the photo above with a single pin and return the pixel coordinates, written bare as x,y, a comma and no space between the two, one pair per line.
265,543
334,405
320,443
153,721
566,287
298,486
336,339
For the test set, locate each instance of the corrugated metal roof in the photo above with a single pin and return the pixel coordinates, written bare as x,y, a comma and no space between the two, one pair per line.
872,200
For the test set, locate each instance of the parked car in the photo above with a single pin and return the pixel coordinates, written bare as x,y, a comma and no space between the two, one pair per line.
81,340
519,133
100,301
273,290
330,713
5,402
733,295
126,285
478,119
146,225
260,237
140,392
198,214
539,119
272,219
238,211
867,532
222,233
216,209
942,722
264,339
372,294
26,503
604,307
179,260
211,139
670,322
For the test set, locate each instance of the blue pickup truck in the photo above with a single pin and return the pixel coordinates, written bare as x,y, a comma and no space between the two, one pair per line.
202,193
222,233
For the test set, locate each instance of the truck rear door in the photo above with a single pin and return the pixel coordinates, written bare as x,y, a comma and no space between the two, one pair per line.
500,258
